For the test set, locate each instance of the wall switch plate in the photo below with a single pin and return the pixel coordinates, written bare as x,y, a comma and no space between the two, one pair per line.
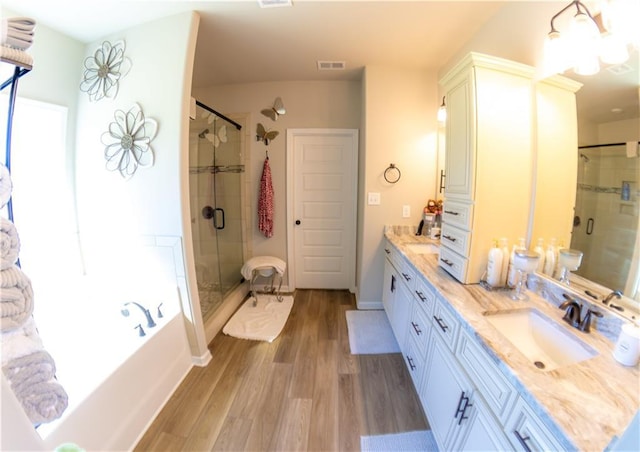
406,211
373,199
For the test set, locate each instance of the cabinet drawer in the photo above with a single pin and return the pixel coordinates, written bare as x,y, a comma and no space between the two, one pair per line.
453,263
445,323
456,239
493,385
527,432
457,214
391,253
425,296
419,328
414,361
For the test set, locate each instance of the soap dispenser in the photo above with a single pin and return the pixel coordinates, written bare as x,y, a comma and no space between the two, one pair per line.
539,249
550,259
494,266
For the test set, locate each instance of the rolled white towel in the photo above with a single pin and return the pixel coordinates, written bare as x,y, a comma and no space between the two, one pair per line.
9,244
5,184
17,41
16,298
43,402
20,23
258,262
17,32
20,342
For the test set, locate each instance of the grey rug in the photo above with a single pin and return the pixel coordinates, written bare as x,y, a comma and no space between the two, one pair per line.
409,441
370,333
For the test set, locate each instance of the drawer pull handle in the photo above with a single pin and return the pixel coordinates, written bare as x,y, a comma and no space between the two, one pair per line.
406,276
452,212
387,251
448,262
443,326
463,404
421,296
448,237
417,329
410,361
393,283
522,440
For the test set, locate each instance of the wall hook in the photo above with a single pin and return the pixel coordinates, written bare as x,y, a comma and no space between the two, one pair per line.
392,174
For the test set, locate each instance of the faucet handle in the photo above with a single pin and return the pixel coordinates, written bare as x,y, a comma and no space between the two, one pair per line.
140,330
160,315
585,325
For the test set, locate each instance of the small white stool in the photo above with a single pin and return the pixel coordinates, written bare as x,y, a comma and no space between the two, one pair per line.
266,267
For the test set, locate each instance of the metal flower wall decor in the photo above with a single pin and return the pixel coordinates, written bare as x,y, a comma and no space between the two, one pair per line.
127,142
104,70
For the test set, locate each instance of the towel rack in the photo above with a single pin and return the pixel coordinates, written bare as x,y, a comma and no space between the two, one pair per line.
392,174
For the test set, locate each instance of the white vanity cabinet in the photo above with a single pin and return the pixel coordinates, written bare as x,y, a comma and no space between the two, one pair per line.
488,160
397,295
458,416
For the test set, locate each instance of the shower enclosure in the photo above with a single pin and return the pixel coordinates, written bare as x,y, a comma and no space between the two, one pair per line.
216,168
606,215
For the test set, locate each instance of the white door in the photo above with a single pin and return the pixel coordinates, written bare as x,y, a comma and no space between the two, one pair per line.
321,207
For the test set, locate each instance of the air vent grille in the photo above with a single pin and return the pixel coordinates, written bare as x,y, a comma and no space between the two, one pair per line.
619,69
331,65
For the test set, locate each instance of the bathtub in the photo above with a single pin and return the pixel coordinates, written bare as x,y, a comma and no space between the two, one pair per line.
116,380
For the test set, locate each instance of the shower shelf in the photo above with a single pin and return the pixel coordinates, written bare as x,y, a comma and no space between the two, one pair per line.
216,169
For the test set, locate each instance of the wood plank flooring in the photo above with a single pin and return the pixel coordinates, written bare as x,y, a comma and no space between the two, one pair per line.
303,391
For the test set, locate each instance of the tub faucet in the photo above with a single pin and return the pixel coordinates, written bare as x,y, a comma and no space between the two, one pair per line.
615,293
145,311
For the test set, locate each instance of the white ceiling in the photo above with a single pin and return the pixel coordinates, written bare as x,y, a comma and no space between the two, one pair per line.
239,42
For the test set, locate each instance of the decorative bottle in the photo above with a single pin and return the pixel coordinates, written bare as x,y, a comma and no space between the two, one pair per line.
494,266
539,249
504,247
513,273
550,259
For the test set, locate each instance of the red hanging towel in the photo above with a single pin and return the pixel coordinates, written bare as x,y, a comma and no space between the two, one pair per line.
265,202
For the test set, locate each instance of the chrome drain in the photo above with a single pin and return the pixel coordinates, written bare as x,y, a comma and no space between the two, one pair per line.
539,364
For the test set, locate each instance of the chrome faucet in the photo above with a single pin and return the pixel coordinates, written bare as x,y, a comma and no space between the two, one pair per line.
125,312
615,293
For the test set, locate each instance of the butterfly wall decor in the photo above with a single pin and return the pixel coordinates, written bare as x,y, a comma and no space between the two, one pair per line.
265,135
275,111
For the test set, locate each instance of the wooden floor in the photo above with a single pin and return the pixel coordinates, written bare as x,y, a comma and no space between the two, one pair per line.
303,391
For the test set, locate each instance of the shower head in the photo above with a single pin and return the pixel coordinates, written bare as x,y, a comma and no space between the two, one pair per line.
203,133
585,158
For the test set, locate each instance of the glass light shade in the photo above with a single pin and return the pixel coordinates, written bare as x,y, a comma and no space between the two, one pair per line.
584,39
613,50
526,261
442,114
571,259
621,17
556,56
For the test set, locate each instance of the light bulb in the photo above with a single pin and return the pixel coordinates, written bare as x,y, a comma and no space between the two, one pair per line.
584,44
613,50
442,113
556,58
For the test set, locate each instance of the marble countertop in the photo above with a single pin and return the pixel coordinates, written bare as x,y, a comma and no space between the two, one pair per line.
590,401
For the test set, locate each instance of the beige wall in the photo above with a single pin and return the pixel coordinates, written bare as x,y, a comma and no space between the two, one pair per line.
400,127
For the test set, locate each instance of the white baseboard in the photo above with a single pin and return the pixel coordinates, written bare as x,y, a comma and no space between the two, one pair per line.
369,305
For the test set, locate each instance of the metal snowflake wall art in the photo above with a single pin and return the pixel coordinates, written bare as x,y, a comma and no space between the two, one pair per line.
127,142
104,70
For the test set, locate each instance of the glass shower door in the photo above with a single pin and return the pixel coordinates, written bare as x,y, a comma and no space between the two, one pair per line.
215,169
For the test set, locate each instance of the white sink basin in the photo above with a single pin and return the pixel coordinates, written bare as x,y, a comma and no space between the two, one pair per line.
545,342
423,248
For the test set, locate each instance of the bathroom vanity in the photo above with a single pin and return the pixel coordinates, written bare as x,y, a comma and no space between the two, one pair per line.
481,384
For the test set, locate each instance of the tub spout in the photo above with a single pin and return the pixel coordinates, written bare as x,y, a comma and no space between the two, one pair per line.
145,311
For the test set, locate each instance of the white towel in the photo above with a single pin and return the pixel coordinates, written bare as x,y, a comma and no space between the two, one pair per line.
37,367
262,262
16,298
5,182
17,32
43,402
20,342
9,244
632,149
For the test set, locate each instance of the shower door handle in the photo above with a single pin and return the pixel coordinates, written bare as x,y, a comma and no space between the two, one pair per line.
215,218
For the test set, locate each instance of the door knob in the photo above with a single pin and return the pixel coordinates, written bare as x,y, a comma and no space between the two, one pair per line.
298,222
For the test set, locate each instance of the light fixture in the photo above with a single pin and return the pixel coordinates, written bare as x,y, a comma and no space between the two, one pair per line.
442,112
585,44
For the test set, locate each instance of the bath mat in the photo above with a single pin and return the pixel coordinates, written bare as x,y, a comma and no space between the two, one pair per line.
370,333
262,322
409,441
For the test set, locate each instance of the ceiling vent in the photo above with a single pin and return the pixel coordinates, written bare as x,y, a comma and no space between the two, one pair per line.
331,65
273,3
